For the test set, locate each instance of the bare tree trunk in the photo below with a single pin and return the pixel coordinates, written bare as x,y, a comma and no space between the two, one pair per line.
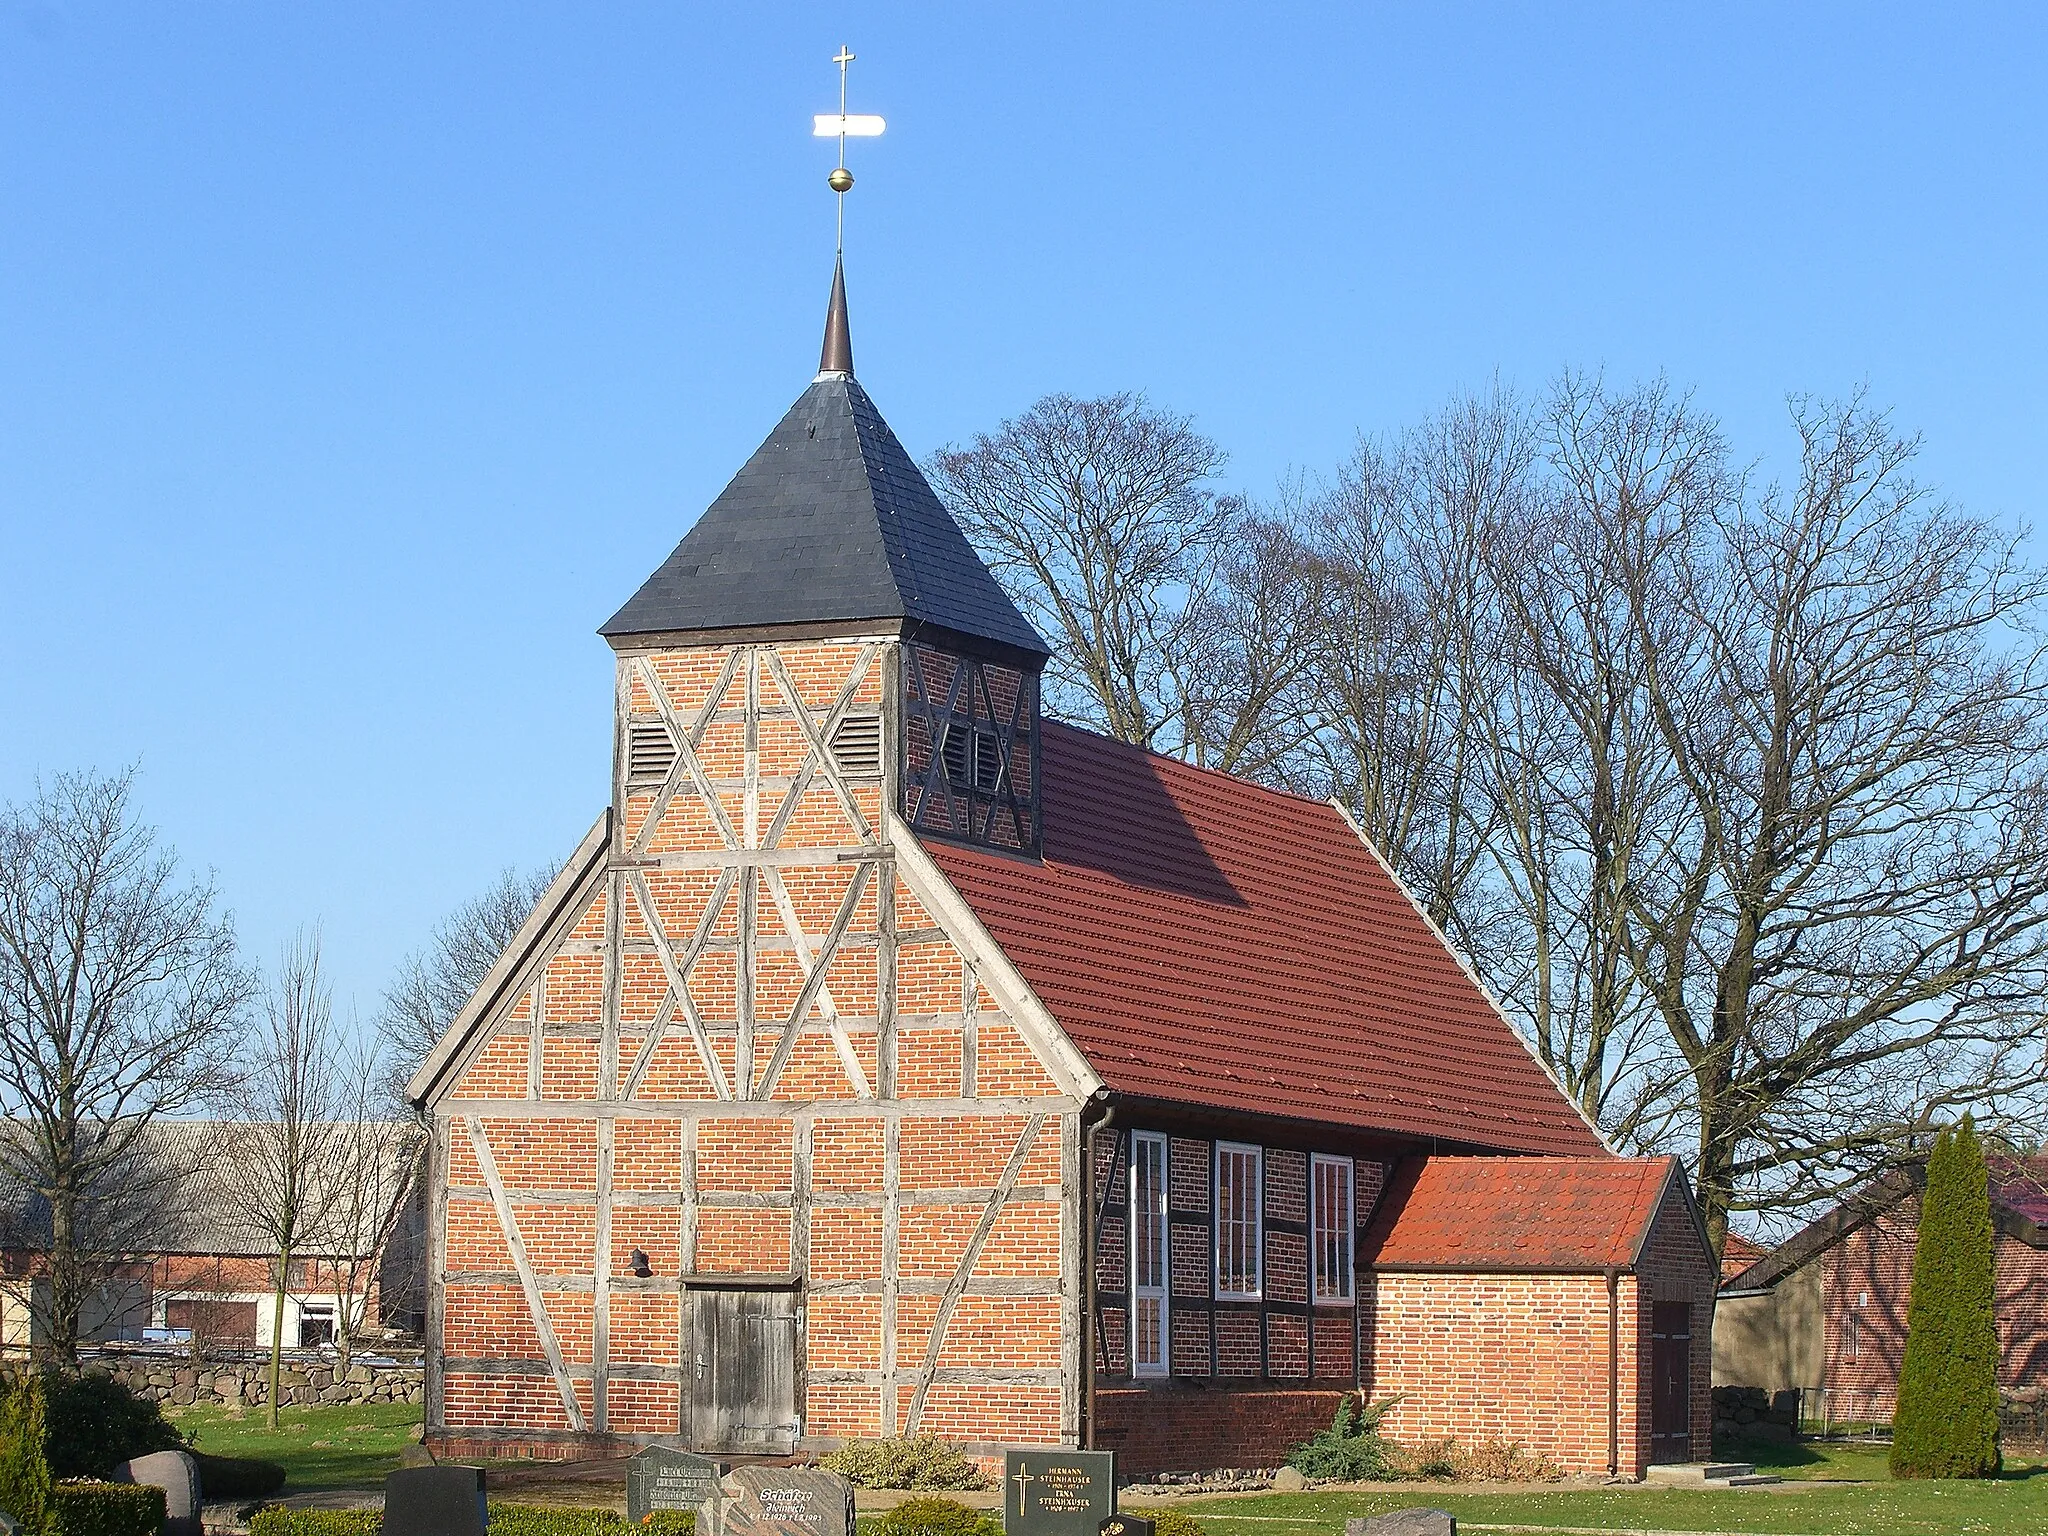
277,1299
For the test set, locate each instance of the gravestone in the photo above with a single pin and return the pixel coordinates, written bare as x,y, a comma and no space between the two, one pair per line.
435,1501
1058,1493
1405,1522
661,1478
1128,1525
783,1501
178,1475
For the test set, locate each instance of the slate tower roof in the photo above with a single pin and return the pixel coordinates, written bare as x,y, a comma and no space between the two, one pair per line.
829,521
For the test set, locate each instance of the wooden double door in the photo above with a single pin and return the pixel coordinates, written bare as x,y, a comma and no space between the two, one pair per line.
740,1370
1671,1381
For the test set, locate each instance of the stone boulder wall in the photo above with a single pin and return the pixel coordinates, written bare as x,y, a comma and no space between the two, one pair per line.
1751,1413
301,1383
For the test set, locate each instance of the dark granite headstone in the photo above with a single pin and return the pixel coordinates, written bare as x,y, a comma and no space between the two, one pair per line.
784,1501
435,1501
1127,1525
1058,1493
661,1478
1405,1522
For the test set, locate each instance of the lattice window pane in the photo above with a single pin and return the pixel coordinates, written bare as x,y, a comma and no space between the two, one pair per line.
1148,1254
1331,1227
1237,1219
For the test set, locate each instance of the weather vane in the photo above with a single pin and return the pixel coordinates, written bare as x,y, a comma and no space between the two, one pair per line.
842,128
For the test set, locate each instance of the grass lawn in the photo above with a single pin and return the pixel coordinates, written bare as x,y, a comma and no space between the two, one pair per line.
1817,1504
1816,1460
346,1447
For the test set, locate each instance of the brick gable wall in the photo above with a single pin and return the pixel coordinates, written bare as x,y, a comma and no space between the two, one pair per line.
867,1170
1866,1282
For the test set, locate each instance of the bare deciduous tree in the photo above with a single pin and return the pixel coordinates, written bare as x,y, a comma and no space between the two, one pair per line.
372,1169
1097,516
120,994
1845,926
434,983
1576,772
288,1103
1405,656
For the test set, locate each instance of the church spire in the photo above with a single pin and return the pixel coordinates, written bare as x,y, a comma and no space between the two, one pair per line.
837,356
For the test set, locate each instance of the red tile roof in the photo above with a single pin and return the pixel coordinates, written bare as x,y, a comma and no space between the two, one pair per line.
2020,1185
1738,1253
1517,1213
1205,941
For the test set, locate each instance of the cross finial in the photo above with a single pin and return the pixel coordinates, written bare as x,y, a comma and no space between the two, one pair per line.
864,126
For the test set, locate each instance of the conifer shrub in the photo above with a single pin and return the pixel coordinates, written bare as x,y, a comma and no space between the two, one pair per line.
1352,1449
24,1464
912,1461
1946,1424
937,1517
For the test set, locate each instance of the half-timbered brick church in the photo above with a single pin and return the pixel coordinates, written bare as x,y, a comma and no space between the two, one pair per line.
890,1058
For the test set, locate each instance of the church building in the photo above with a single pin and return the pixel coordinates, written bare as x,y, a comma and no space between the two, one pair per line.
891,1059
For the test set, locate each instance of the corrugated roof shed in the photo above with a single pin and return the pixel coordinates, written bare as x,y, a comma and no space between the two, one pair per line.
1546,1214
1206,941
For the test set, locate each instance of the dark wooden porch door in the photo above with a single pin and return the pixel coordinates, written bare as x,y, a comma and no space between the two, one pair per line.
740,1371
1671,1381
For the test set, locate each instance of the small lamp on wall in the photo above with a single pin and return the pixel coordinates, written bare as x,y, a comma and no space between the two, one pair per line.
641,1268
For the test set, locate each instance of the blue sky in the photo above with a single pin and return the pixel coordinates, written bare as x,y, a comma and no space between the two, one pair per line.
357,361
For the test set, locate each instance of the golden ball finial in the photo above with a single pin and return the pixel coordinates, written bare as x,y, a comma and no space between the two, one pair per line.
840,179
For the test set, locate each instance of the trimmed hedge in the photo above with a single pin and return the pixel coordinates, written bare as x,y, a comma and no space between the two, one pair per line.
538,1520
106,1509
506,1520
937,1517
279,1521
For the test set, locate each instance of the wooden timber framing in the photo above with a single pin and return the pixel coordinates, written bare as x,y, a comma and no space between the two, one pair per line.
756,919
951,1299
543,1325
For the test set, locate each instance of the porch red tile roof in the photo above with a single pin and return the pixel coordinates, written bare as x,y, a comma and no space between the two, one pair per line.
1516,1213
1209,942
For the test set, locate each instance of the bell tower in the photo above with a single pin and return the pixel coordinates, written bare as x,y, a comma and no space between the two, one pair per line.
831,537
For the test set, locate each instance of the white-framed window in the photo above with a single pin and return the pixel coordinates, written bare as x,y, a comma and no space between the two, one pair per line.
1237,1219
1149,1258
1329,1216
